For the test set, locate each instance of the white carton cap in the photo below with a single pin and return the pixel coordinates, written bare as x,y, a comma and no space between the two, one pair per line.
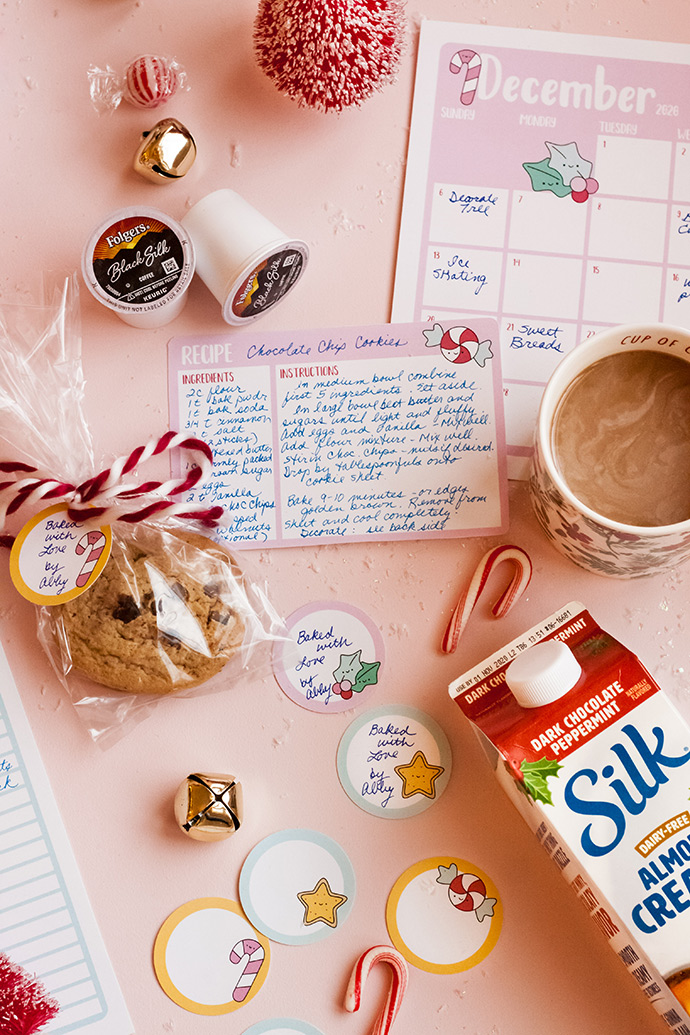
543,674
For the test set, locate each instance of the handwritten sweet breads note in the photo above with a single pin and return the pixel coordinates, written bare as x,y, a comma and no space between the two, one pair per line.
325,436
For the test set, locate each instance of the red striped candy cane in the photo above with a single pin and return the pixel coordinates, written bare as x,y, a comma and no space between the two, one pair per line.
255,954
396,991
469,62
510,596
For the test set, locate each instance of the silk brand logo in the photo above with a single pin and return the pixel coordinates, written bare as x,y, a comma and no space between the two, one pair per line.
642,771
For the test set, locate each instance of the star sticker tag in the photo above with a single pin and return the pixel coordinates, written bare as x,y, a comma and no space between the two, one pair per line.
394,762
321,904
297,886
419,777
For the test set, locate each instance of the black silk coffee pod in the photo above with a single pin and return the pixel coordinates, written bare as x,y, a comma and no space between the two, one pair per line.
209,806
166,152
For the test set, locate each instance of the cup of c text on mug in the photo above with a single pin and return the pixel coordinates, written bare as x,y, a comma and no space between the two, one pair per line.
610,479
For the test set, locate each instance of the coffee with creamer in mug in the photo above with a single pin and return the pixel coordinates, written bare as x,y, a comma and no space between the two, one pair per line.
621,438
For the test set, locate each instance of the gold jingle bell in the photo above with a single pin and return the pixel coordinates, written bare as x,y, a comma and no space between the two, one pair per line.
166,152
208,806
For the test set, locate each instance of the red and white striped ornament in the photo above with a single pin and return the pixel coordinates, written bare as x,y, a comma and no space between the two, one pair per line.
329,54
150,80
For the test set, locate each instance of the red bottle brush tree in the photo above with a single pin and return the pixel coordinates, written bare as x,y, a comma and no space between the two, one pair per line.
24,1006
329,54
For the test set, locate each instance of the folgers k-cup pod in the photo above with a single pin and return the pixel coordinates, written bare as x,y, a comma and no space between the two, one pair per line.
139,263
246,262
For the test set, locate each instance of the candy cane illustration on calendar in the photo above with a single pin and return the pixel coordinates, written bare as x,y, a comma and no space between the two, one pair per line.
94,542
255,955
469,64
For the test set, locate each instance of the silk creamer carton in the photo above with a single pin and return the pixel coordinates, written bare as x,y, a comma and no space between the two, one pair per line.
602,775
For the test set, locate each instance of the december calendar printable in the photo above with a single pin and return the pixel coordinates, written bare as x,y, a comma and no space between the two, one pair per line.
548,186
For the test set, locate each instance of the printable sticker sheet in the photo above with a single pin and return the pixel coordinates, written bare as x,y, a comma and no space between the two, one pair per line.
330,436
548,185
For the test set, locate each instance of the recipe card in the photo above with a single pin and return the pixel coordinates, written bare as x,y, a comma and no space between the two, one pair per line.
363,433
548,186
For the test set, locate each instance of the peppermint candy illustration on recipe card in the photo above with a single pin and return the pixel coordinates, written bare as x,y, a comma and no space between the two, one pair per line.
333,659
394,762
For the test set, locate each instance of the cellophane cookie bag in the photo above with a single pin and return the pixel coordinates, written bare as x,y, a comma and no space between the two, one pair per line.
135,600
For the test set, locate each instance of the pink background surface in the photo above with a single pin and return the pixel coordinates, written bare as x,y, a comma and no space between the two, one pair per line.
337,183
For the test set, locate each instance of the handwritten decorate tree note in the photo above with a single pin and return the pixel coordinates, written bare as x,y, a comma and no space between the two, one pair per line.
324,436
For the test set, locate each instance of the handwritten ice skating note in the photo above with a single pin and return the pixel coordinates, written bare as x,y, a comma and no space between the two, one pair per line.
385,432
547,185
46,923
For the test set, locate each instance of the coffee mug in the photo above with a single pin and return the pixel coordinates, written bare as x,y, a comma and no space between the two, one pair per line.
610,478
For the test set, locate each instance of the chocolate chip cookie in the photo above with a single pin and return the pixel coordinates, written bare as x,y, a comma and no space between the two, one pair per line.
164,616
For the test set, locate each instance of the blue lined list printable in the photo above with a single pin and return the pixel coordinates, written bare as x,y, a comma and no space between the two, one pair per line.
46,923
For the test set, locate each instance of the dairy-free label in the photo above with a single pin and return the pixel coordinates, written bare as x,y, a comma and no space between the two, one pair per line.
138,260
267,283
55,559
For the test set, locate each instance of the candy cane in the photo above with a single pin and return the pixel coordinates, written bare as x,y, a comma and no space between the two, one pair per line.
353,995
507,600
255,954
93,541
471,63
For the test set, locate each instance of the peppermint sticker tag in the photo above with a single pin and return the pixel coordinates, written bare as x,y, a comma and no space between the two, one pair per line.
55,559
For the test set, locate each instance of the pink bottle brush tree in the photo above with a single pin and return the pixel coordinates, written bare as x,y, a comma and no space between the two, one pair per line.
329,54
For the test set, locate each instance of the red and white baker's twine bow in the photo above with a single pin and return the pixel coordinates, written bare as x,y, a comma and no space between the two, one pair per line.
353,996
105,496
518,584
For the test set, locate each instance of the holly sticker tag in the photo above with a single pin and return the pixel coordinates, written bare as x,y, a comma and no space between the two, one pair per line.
54,559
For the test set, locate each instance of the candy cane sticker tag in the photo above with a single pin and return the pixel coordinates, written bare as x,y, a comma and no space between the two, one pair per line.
208,958
55,559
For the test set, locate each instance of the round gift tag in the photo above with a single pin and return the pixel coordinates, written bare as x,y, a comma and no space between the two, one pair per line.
208,958
444,915
394,761
54,559
297,886
333,658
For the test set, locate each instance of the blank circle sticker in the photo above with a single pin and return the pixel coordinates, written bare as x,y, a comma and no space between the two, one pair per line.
297,886
208,958
444,915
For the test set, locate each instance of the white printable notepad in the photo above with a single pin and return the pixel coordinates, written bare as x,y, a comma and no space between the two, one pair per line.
46,923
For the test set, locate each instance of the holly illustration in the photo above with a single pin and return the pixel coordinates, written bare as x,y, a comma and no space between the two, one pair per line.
535,778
